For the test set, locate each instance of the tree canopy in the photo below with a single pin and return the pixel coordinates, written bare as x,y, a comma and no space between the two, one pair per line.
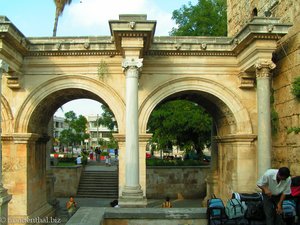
107,118
207,18
76,131
182,123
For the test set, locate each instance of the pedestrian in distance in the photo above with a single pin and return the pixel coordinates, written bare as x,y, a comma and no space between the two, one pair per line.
275,185
71,206
107,160
167,203
78,160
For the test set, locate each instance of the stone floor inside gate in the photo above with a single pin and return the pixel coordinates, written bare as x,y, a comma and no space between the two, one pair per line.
62,215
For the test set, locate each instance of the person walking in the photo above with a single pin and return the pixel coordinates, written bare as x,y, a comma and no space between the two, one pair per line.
275,185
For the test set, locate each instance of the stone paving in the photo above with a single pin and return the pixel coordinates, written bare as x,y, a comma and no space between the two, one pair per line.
62,214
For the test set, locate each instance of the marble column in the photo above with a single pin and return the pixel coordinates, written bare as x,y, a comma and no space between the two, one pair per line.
132,194
4,196
263,78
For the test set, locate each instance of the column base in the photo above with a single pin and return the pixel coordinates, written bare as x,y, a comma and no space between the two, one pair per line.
211,185
132,197
44,215
50,178
4,199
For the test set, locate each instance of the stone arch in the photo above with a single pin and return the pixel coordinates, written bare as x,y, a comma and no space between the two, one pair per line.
233,109
234,145
36,109
6,116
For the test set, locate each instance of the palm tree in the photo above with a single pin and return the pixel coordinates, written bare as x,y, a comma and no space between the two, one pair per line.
60,5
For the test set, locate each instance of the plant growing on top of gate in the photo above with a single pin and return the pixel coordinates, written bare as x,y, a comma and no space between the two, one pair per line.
102,69
296,87
296,93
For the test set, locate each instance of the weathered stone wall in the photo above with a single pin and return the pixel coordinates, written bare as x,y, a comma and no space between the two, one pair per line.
145,216
66,180
241,12
286,147
173,182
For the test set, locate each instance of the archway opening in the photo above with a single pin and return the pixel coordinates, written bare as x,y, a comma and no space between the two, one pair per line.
86,133
216,119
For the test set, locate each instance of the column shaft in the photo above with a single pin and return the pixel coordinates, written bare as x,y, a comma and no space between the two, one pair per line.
4,196
263,71
132,148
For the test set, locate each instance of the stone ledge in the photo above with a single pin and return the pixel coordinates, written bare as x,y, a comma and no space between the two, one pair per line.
97,215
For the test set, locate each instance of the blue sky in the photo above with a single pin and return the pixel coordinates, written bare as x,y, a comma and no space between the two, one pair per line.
35,18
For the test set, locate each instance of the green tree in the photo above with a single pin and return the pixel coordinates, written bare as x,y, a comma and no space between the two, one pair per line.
107,118
76,131
60,6
182,123
207,18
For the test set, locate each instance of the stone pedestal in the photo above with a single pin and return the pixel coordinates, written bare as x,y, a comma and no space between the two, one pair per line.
4,199
50,179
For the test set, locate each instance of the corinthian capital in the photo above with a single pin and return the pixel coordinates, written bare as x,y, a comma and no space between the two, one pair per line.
263,68
3,66
132,63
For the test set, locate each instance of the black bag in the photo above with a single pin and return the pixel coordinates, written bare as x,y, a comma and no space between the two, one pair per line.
248,197
255,211
253,201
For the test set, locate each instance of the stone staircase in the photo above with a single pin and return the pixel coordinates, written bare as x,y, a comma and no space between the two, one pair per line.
98,184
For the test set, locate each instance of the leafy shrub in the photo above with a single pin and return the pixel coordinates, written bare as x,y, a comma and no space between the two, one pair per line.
296,88
163,162
104,154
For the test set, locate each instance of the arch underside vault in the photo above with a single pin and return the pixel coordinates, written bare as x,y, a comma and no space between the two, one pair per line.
225,107
42,103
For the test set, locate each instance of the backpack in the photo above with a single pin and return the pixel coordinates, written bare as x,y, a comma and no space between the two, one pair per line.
253,201
235,208
215,210
289,209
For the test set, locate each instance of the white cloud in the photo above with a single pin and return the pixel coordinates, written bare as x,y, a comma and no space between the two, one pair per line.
91,16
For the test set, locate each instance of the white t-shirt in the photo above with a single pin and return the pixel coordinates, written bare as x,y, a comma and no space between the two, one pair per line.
78,160
269,180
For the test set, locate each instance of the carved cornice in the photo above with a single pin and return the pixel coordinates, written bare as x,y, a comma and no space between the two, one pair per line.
144,137
119,137
188,53
139,27
248,138
10,34
73,53
20,138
